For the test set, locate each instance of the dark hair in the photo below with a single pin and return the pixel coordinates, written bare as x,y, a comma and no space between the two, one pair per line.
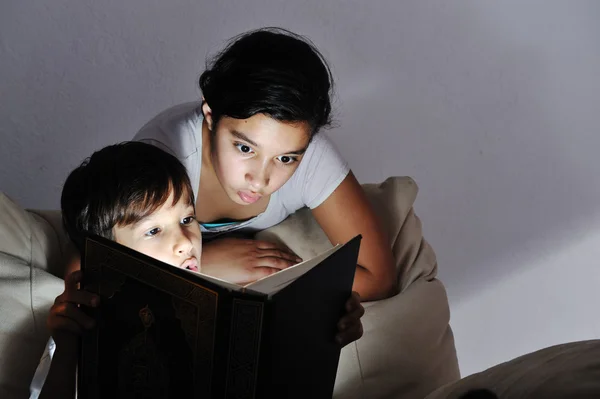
118,186
270,71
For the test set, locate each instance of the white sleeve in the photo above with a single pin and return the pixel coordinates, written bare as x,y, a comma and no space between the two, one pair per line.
321,171
178,131
42,370
174,130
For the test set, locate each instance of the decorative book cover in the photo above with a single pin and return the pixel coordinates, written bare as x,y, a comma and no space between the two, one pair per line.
165,332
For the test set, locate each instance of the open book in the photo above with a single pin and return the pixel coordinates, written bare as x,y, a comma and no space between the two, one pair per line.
166,332
270,285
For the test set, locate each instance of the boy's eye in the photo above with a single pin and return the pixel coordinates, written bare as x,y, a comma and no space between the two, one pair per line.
152,232
187,220
243,148
286,159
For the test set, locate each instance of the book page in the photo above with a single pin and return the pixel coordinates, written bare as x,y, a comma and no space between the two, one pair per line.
223,283
275,282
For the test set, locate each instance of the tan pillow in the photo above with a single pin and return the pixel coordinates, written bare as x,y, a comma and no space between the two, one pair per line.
407,349
26,293
567,371
392,201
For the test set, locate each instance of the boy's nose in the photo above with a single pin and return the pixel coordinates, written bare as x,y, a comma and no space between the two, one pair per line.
183,245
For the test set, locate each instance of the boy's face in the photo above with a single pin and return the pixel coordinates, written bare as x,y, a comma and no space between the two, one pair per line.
170,234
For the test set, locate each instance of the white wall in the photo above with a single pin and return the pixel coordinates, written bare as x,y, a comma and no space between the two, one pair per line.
493,107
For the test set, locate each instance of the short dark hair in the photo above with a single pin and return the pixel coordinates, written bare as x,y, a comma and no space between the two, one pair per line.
120,185
270,71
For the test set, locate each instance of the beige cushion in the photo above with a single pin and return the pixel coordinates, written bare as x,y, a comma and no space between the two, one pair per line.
27,291
568,371
407,349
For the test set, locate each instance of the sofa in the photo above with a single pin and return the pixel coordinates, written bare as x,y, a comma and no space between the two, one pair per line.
407,349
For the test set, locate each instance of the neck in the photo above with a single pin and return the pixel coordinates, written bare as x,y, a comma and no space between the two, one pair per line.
210,191
207,163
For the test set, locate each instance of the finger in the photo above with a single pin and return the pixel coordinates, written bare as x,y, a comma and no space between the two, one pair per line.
353,302
85,298
283,252
351,318
350,335
74,313
60,298
265,245
72,280
272,262
278,253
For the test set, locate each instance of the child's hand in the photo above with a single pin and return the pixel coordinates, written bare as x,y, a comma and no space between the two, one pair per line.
349,327
242,261
67,320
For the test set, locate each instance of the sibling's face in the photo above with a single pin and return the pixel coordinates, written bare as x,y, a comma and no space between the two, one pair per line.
254,157
170,234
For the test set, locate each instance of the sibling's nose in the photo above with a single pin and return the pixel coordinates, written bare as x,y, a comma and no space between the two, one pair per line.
258,179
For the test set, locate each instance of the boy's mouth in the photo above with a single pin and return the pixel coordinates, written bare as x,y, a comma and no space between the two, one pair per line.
191,264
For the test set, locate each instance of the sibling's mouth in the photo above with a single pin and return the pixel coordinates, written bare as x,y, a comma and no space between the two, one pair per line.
249,197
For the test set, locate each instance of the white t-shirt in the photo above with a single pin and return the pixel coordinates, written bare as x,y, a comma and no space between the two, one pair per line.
178,130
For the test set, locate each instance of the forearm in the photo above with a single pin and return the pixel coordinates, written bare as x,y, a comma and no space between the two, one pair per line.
371,287
60,382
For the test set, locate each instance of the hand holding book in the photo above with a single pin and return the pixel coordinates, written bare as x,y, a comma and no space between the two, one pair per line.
67,320
349,327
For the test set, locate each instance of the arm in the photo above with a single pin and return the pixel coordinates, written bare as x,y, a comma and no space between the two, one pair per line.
60,382
67,321
347,213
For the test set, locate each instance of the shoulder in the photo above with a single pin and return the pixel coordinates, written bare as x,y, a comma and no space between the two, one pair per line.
177,130
321,152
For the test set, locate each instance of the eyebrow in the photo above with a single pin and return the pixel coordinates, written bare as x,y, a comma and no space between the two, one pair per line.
137,225
242,136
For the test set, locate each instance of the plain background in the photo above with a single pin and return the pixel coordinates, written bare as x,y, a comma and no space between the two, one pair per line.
492,107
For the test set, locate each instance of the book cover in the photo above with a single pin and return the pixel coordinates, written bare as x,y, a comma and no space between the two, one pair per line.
165,332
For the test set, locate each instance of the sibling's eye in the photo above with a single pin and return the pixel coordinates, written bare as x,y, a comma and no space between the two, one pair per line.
243,148
286,159
187,220
153,232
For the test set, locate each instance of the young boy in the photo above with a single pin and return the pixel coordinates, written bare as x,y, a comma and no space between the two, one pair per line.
141,197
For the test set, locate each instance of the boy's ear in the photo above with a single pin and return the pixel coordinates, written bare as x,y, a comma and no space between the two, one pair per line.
207,112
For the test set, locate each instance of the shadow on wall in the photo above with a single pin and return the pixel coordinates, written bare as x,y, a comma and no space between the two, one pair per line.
80,75
491,112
